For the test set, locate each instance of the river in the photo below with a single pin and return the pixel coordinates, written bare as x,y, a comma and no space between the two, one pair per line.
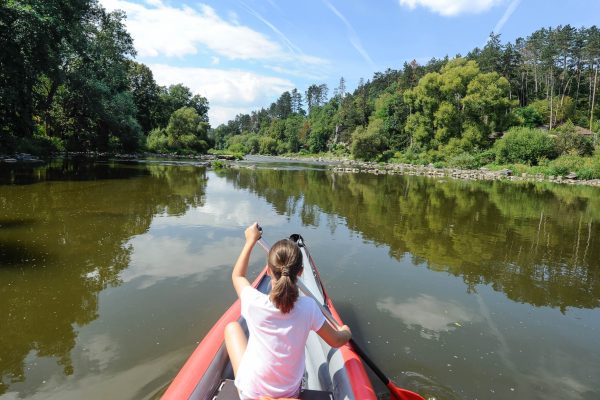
112,272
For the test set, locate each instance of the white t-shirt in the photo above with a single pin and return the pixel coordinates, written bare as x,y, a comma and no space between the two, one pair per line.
273,363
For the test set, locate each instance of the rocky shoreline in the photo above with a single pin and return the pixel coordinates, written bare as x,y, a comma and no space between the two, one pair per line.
353,166
205,159
341,165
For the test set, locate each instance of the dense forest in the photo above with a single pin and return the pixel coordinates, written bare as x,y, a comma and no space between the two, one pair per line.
68,82
530,102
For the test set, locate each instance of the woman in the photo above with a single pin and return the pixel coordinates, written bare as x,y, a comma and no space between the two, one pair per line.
271,362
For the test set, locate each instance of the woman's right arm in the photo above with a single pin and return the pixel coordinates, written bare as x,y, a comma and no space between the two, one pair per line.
335,337
238,275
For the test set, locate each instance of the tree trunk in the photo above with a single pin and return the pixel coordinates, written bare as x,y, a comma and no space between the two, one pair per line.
593,100
551,99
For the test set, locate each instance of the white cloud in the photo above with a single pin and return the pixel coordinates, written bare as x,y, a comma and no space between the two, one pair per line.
228,91
450,8
159,29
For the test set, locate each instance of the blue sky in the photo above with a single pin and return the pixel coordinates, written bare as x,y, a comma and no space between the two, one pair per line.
242,55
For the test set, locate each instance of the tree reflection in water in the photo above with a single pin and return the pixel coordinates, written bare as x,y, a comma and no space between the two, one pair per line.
63,230
537,243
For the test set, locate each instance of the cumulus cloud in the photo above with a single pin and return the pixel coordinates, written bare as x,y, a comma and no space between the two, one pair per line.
450,8
227,90
159,29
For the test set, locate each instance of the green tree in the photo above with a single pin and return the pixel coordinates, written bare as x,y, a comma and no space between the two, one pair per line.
368,143
187,131
146,95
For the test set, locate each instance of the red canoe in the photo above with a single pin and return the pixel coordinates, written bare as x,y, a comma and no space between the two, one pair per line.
330,373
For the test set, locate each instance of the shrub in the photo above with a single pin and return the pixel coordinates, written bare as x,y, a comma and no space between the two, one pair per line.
524,145
411,155
218,164
268,145
568,141
237,148
565,164
157,140
529,117
367,145
464,160
40,145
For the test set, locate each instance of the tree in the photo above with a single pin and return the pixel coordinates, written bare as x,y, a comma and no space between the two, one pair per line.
490,59
340,91
297,102
316,96
368,143
187,130
34,36
146,95
283,106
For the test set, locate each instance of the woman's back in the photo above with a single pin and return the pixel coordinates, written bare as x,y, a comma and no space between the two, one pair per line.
274,359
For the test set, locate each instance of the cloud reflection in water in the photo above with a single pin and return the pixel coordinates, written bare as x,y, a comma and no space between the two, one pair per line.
434,316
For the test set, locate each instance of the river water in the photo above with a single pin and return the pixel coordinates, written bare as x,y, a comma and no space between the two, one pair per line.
111,273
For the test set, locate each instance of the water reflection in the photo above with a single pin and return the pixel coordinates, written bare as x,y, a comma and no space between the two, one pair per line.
61,243
538,244
432,316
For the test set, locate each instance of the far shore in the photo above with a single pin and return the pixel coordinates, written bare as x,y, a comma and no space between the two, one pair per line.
338,165
346,165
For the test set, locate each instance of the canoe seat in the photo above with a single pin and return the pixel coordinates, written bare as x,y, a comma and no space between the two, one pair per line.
228,391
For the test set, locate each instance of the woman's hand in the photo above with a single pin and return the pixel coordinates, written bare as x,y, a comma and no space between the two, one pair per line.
252,234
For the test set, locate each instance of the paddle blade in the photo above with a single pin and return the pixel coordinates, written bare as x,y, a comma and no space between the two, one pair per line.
402,394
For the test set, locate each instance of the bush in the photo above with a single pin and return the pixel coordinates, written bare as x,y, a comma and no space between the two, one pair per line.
39,145
237,148
529,117
411,156
366,145
157,140
568,141
524,145
583,167
565,164
268,145
464,161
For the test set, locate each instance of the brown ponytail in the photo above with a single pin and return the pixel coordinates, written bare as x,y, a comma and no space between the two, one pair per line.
285,263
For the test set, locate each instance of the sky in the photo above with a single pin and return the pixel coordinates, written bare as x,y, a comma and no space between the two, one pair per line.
242,54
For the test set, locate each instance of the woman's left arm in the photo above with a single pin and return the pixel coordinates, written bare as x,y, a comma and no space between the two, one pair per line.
238,276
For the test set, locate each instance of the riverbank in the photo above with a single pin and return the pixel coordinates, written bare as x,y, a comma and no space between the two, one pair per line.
345,165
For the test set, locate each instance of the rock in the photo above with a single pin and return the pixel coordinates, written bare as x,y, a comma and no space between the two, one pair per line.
571,175
505,172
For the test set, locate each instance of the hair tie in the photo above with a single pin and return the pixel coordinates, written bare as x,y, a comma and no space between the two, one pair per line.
285,271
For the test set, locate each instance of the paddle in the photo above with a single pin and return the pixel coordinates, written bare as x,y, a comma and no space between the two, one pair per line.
396,392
